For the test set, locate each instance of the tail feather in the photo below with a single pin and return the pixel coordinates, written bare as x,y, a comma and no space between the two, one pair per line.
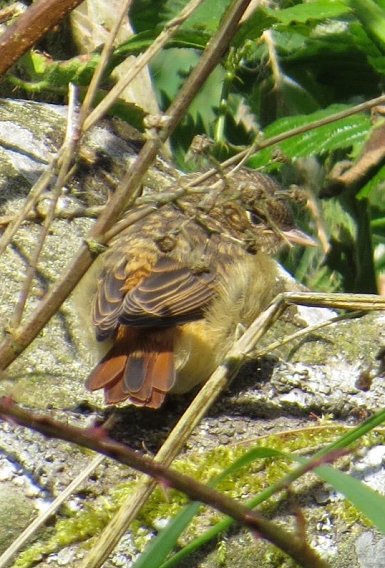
113,393
136,379
108,371
139,367
158,377
157,399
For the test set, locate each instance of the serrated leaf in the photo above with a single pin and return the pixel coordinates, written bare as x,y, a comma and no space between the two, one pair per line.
319,10
372,18
148,14
333,38
343,133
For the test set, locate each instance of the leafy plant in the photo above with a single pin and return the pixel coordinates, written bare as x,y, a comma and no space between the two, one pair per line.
289,67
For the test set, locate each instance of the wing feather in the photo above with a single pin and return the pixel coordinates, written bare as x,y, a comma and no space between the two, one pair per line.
170,295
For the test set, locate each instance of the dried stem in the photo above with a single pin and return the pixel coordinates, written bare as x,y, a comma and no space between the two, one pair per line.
169,30
289,543
123,196
70,141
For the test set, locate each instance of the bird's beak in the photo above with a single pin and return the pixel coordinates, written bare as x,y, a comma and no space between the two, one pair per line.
297,237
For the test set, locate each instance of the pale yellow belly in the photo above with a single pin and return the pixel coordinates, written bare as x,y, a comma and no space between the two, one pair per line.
201,346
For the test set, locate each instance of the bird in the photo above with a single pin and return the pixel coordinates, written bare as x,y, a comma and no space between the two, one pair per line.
177,284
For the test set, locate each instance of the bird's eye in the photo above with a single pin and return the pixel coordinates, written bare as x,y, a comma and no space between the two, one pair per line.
253,218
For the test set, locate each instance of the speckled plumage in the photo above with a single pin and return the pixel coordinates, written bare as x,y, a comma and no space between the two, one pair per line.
175,284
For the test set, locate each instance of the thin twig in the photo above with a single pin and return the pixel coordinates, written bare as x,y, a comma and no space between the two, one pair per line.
289,543
71,138
54,506
104,58
367,302
140,62
300,334
91,212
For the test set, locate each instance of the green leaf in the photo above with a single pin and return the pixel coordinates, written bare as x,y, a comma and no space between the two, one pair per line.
159,548
369,502
162,545
320,10
348,38
344,133
149,14
378,63
372,17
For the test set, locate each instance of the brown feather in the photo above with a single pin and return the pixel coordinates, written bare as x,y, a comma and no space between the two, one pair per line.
184,273
139,367
108,370
170,295
159,379
157,399
113,393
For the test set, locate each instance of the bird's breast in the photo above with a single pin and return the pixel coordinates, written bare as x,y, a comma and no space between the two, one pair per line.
244,290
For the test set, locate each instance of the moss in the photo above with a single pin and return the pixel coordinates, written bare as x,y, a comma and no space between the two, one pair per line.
247,553
335,342
248,481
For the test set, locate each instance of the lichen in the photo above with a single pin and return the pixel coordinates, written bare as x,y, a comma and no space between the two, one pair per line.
333,341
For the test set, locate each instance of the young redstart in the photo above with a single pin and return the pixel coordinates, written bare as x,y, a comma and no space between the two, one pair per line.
175,285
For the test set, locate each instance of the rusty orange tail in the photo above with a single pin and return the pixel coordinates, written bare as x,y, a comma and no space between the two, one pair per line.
139,367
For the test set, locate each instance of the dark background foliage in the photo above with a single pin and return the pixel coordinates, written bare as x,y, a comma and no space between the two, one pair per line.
290,64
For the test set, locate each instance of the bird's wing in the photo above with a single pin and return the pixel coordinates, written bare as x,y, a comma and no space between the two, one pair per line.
108,299
170,295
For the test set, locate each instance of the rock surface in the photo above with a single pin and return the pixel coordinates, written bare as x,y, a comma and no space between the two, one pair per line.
322,374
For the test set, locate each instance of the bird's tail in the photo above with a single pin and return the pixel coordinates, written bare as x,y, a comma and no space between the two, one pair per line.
139,367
